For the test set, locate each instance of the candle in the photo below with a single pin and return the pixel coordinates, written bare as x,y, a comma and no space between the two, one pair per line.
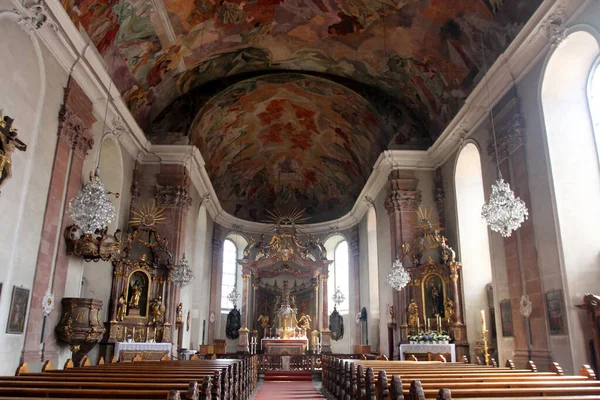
483,320
147,334
134,333
125,336
418,323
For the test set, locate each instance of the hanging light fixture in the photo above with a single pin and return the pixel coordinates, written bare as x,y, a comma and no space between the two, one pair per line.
503,212
398,277
234,297
182,274
338,297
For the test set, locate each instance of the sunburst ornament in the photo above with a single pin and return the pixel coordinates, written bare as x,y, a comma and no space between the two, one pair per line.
148,217
427,239
286,216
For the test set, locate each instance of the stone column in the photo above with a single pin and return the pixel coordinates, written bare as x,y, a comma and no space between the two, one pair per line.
172,193
75,141
254,322
325,310
355,283
402,202
245,299
315,316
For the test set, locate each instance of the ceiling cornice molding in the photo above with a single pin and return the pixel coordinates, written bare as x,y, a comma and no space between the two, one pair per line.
532,43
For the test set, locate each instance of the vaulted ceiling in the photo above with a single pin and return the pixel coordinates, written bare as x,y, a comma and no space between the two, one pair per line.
410,62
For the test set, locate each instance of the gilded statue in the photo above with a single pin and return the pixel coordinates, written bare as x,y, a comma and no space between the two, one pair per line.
122,308
304,322
392,314
136,294
157,310
264,321
9,141
413,314
179,319
449,309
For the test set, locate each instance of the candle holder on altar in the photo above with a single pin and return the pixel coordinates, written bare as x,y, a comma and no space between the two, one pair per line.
486,353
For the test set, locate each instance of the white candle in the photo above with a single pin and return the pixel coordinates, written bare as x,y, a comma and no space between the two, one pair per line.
147,334
125,337
483,320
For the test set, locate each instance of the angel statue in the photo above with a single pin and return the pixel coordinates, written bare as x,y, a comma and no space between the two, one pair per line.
122,308
304,323
157,310
9,141
264,321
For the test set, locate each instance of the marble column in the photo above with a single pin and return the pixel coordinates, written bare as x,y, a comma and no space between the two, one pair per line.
255,313
325,310
75,141
402,203
245,299
215,279
355,283
172,193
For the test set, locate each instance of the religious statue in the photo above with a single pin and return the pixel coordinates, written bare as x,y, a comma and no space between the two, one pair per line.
447,251
136,294
264,321
392,314
234,323
413,314
304,323
179,314
449,310
9,141
435,299
122,308
157,309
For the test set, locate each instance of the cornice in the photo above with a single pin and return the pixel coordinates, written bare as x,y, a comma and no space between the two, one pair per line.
540,33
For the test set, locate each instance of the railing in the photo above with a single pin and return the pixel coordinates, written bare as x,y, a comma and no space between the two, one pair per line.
304,362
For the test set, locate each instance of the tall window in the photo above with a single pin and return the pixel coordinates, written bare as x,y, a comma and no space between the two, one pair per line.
473,233
338,272
229,273
594,96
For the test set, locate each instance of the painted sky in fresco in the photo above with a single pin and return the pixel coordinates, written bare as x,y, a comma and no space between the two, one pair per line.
288,139
430,61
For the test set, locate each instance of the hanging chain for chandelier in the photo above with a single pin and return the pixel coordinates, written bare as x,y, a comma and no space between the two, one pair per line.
338,297
503,212
92,210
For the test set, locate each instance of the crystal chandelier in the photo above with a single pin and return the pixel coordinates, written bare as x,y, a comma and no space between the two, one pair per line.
338,297
503,212
182,274
398,277
92,210
234,297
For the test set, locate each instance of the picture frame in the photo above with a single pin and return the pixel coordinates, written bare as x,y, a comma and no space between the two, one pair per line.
555,309
18,310
506,318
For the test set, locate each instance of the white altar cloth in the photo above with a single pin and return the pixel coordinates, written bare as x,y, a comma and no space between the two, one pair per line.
428,348
141,346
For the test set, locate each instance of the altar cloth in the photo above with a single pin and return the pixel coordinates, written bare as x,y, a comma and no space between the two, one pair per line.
292,346
142,347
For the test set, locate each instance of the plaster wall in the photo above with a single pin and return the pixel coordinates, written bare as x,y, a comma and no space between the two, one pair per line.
23,198
201,286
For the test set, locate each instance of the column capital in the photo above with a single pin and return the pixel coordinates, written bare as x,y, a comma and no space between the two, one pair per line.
454,267
173,196
246,277
402,200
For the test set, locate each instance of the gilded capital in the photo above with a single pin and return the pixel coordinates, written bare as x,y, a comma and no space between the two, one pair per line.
402,200
246,277
454,270
324,278
173,196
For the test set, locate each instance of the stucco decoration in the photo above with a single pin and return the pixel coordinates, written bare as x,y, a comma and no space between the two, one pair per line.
430,62
288,139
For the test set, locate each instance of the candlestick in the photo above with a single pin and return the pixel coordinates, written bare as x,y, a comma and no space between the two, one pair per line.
483,320
147,334
125,336
133,334
418,324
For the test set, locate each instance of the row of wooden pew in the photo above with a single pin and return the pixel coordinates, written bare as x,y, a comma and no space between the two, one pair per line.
410,380
165,379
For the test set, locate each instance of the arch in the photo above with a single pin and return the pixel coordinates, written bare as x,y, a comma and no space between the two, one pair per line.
473,236
574,171
339,271
111,170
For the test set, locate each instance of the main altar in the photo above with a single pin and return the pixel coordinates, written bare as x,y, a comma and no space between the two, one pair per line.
284,289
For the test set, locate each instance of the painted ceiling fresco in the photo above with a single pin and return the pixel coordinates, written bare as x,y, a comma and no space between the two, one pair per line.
158,50
288,139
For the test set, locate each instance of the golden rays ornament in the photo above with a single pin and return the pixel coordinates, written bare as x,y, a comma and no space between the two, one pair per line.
426,241
148,216
286,216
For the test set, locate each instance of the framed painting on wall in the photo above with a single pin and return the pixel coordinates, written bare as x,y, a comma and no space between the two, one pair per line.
506,318
18,310
554,305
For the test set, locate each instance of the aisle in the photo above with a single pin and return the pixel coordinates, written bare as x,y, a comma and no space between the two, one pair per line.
287,390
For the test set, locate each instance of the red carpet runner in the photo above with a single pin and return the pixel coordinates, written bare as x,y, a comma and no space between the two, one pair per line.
288,391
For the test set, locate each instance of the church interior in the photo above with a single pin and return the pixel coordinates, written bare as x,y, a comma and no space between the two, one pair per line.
284,185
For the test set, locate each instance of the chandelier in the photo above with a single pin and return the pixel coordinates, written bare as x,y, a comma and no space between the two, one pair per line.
338,297
182,274
503,212
398,277
234,297
92,210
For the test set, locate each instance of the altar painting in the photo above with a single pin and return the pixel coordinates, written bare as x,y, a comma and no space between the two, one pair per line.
434,296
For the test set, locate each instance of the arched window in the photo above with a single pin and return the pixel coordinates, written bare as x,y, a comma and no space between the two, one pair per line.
338,272
473,234
569,98
594,100
229,276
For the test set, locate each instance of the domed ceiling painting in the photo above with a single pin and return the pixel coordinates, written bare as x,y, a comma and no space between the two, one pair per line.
158,50
288,139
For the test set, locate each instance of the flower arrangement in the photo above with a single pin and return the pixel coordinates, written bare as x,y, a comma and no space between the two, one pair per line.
430,337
